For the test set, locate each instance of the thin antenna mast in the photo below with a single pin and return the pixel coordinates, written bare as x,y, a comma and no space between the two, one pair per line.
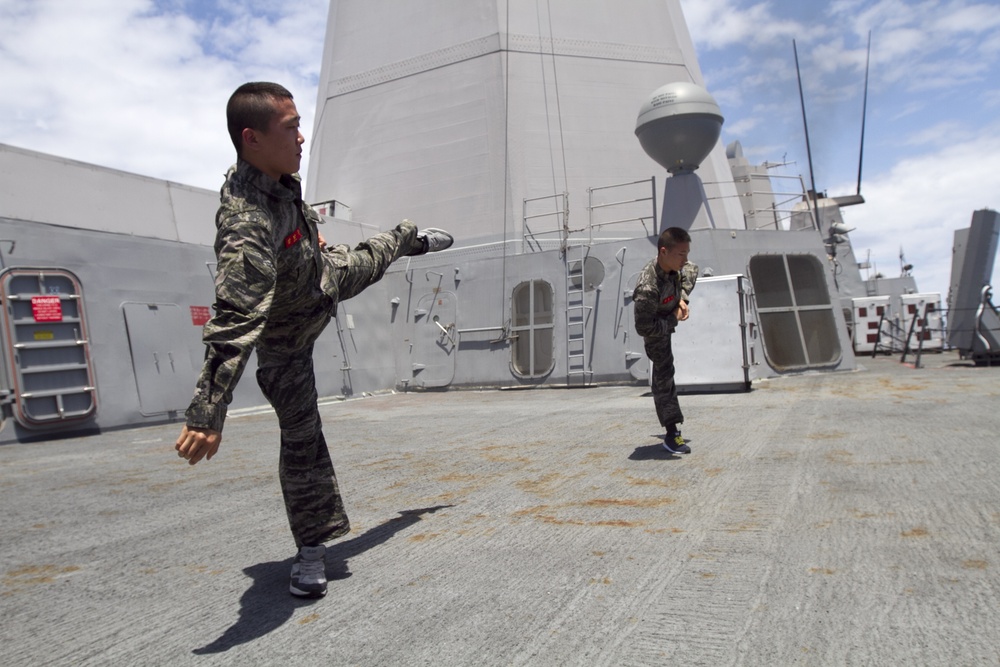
805,124
864,110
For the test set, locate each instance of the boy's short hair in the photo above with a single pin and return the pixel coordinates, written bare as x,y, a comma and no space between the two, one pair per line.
671,236
252,106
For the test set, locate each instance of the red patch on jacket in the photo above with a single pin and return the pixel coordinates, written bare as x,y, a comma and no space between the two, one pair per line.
668,299
293,238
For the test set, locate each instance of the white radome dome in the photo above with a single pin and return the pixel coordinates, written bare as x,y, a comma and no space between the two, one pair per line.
679,125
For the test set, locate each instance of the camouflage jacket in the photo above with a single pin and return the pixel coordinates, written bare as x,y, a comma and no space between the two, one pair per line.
655,297
270,288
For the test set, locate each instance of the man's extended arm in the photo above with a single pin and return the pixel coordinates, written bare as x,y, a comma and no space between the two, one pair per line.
688,277
244,290
646,300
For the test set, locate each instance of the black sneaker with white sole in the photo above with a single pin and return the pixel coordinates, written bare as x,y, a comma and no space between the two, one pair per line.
674,443
309,572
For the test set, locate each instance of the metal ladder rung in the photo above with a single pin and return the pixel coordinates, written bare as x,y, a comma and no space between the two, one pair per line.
55,368
49,344
30,321
57,392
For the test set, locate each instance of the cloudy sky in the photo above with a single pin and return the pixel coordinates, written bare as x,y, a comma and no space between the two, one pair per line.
141,85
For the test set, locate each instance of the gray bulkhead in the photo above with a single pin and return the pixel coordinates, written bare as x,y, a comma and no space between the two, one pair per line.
449,320
138,252
974,326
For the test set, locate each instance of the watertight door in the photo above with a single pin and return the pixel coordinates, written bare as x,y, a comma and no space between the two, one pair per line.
164,375
434,340
635,352
46,347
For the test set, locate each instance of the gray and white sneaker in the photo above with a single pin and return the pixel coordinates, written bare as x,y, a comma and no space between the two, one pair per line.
309,572
434,239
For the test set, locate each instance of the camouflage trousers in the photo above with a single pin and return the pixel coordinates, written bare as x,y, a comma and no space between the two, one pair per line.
660,352
287,379
308,482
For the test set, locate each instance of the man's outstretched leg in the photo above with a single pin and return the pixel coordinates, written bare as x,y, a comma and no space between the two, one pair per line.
348,272
433,240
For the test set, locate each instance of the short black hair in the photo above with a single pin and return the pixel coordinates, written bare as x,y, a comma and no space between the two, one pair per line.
671,236
252,106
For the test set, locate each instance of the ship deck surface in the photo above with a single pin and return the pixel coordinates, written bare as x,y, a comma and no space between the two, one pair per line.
844,518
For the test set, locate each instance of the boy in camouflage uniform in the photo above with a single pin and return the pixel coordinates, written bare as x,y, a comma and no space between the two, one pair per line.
277,286
661,300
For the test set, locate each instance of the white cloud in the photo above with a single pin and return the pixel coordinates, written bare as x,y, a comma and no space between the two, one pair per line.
132,85
943,134
977,18
921,201
932,152
717,24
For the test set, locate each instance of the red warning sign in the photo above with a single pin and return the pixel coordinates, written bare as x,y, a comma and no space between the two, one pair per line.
200,315
46,308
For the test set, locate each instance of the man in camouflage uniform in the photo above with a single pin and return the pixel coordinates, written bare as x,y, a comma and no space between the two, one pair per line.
277,286
661,300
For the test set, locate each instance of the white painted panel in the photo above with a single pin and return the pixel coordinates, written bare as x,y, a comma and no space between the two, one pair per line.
708,347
